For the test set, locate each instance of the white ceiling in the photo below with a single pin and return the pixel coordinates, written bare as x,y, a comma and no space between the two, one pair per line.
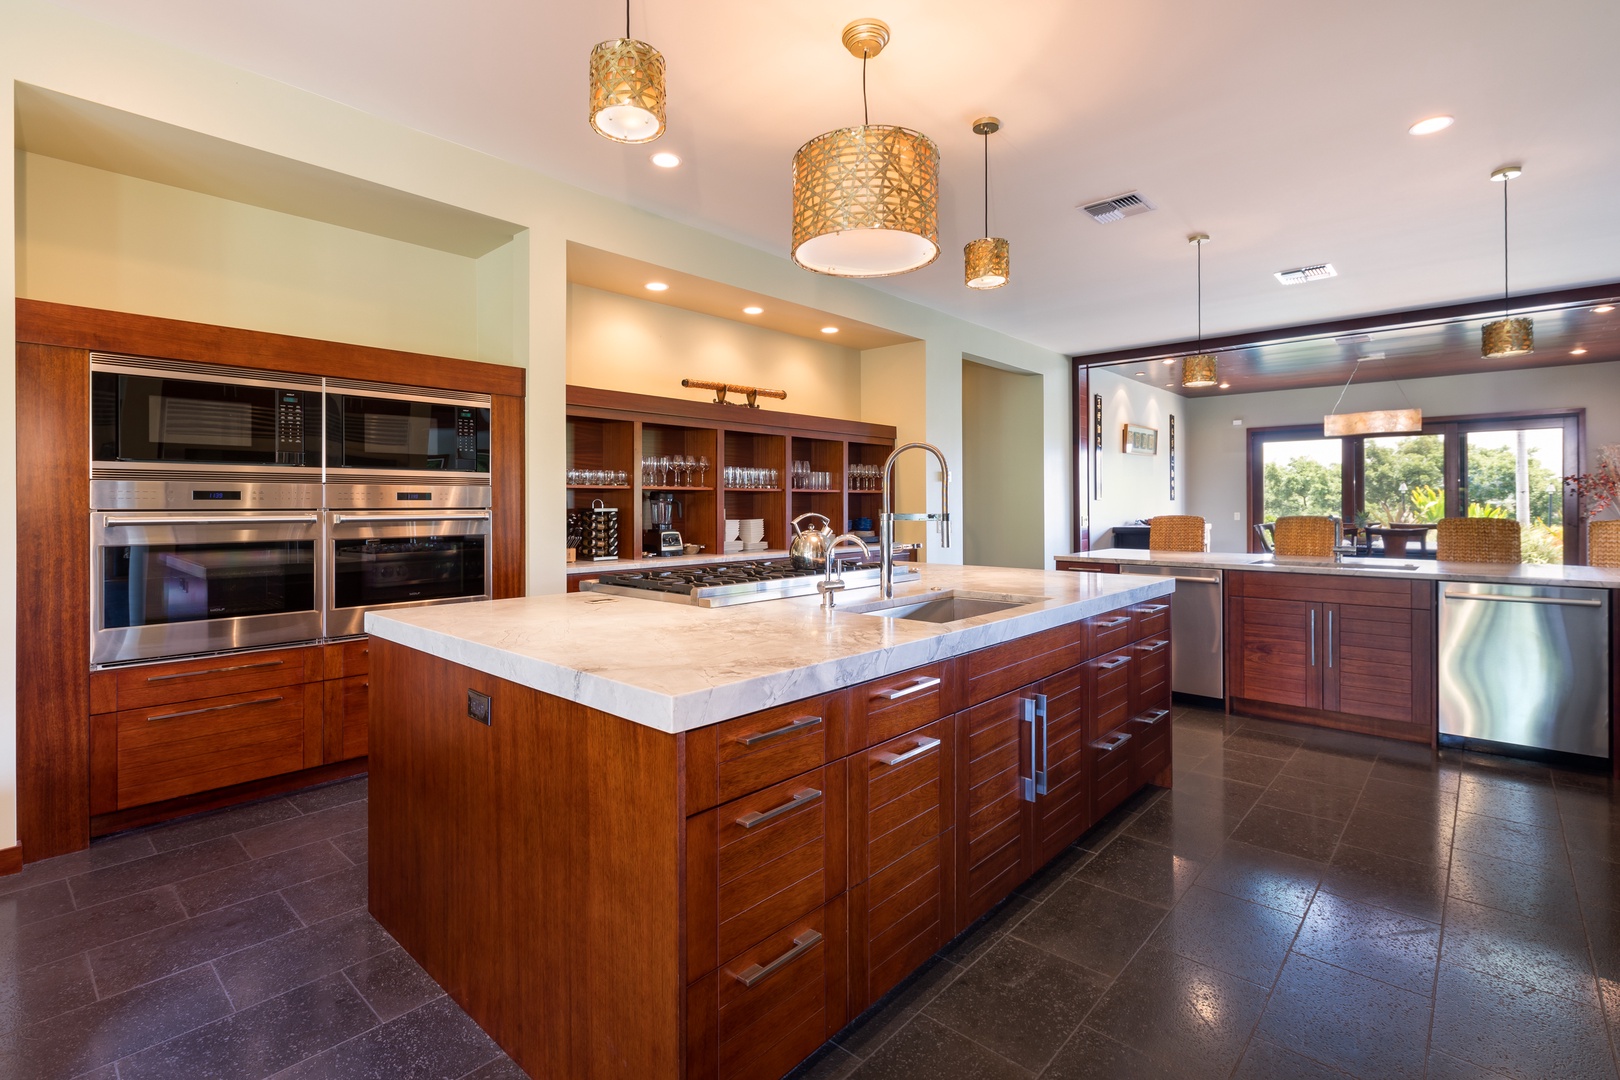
1278,128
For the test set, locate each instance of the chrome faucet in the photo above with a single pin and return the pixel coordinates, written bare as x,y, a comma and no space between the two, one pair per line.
887,519
834,581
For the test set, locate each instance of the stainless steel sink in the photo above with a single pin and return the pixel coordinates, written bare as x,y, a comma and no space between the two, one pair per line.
943,607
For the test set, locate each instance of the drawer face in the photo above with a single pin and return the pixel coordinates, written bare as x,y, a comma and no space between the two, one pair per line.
1004,668
1150,753
907,917
348,717
1110,632
992,858
773,849
165,751
907,795
356,657
1150,618
901,702
770,746
187,680
1111,773
768,1027
1064,811
1152,671
1110,693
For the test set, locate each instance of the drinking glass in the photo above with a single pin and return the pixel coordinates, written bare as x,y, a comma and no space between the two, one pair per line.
690,464
703,470
620,478
772,478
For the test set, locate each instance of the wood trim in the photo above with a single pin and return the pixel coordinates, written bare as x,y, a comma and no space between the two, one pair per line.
621,405
1365,725
73,327
11,860
506,525
1080,457
152,813
53,597
103,763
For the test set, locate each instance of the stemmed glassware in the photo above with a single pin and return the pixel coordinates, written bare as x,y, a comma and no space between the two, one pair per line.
703,470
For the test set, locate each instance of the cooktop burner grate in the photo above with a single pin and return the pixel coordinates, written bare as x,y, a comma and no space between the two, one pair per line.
720,584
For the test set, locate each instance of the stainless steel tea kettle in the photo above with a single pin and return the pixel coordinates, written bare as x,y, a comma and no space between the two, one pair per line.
809,548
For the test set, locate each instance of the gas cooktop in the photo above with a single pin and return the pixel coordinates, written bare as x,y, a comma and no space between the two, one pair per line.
722,584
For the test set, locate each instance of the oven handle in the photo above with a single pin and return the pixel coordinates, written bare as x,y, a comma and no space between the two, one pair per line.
300,519
444,515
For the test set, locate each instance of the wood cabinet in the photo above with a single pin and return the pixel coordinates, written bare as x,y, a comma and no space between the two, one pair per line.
1340,651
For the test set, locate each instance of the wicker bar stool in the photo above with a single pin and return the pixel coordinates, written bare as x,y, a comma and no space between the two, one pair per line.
1603,543
1487,540
1176,532
1312,536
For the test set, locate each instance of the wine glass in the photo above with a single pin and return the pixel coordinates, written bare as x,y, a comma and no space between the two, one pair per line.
688,463
703,470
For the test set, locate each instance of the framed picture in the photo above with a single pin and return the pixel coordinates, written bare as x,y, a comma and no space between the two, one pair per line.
1140,440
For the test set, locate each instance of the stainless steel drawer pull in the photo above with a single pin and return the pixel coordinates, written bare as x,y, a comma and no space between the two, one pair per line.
1330,637
1112,742
803,723
1110,665
1154,609
214,671
922,747
1554,600
1153,646
440,515
926,683
245,522
800,798
1313,637
214,708
806,941
1121,621
1198,580
1153,716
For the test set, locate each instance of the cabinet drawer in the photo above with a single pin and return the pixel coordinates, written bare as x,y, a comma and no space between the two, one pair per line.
348,717
354,658
740,756
1001,669
773,1004
1150,747
1150,618
1110,678
902,797
1151,666
1111,771
165,751
188,680
900,917
901,702
1110,632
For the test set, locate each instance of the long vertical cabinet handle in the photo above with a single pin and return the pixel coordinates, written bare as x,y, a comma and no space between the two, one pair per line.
1313,637
1029,781
1330,637
1040,714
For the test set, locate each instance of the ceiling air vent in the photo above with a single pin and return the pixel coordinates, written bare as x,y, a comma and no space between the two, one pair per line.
1307,273
1127,205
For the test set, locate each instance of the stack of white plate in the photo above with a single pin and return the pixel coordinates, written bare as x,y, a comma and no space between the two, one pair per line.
753,534
733,535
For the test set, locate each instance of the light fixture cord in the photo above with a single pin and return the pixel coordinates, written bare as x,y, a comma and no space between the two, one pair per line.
1505,308
866,112
1355,368
987,183
627,20
1199,245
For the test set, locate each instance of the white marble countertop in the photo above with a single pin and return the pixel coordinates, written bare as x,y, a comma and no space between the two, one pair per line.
675,667
1421,569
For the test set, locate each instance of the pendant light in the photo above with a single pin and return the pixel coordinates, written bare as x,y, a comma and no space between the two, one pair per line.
987,260
1372,421
1506,337
1198,370
627,88
866,198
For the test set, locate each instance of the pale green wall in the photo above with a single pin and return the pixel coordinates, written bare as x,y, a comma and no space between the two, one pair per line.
1002,509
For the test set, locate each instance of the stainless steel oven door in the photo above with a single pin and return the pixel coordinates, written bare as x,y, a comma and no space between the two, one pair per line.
167,585
381,560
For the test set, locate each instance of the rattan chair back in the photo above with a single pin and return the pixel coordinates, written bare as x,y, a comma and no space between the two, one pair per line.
1487,540
1313,536
1603,543
1176,532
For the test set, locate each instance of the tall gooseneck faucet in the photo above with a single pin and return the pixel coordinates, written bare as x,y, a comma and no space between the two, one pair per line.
888,517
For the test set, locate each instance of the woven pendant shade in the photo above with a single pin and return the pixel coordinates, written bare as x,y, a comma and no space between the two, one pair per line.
987,263
1372,422
627,91
866,202
1507,337
1198,371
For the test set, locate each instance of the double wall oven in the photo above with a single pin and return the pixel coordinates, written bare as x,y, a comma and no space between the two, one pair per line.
234,508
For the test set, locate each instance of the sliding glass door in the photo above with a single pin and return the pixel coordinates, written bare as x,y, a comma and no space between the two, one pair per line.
1518,473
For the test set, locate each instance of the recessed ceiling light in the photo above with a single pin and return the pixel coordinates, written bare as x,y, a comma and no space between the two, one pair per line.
1370,356
1431,125
1577,352
753,309
1140,374
1226,386
666,160
656,286
829,329
1604,310
1168,360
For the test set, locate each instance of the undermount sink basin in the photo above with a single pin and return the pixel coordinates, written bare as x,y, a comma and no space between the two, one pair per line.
943,607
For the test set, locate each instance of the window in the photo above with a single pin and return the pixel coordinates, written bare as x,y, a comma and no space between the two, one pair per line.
1508,466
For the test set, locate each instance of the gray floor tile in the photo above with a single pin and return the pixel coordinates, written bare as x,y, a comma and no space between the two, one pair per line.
352,845
1091,926
313,800
1186,827
164,868
504,1068
1141,870
27,997
1402,799
45,901
1091,1055
1339,1018
1424,840
392,983
1284,882
925,1047
52,939
1518,1031
1294,834
882,1021
1267,1061
1311,797
1241,767
1224,932
1372,941
246,880
1511,840
1372,877
137,960
278,965
296,832
1510,800
1550,957
1537,892
210,826
1327,768
110,851
323,897
436,1040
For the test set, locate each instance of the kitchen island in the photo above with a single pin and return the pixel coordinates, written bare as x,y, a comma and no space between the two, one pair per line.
635,838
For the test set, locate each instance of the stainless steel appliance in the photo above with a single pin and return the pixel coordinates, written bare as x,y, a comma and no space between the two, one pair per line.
1525,666
376,432
381,558
724,584
174,421
1197,657
173,583
662,538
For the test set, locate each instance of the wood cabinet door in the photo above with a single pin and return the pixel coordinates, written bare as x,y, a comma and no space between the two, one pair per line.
1063,801
995,792
348,717
1279,652
1376,662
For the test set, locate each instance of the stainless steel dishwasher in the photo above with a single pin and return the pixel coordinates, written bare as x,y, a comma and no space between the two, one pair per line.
1197,652
1525,666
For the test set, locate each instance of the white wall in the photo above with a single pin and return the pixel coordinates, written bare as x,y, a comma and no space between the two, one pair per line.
52,48
1002,516
1217,451
1135,486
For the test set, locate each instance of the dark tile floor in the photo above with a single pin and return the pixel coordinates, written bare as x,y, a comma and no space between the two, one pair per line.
1302,904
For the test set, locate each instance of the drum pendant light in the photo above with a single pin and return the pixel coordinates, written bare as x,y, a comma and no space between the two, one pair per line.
627,88
1198,370
987,260
1506,336
866,198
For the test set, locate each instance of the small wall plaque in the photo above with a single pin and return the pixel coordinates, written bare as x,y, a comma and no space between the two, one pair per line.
1140,440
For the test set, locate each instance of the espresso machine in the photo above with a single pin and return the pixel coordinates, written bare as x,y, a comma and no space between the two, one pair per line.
661,538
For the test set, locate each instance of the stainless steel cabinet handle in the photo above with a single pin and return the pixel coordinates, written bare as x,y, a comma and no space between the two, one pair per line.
1153,646
803,723
1198,580
751,974
1555,600
1313,637
1121,621
1112,742
1040,714
922,747
246,522
402,519
800,798
214,708
1028,782
1330,637
925,683
1110,665
214,671
1153,609
1152,716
